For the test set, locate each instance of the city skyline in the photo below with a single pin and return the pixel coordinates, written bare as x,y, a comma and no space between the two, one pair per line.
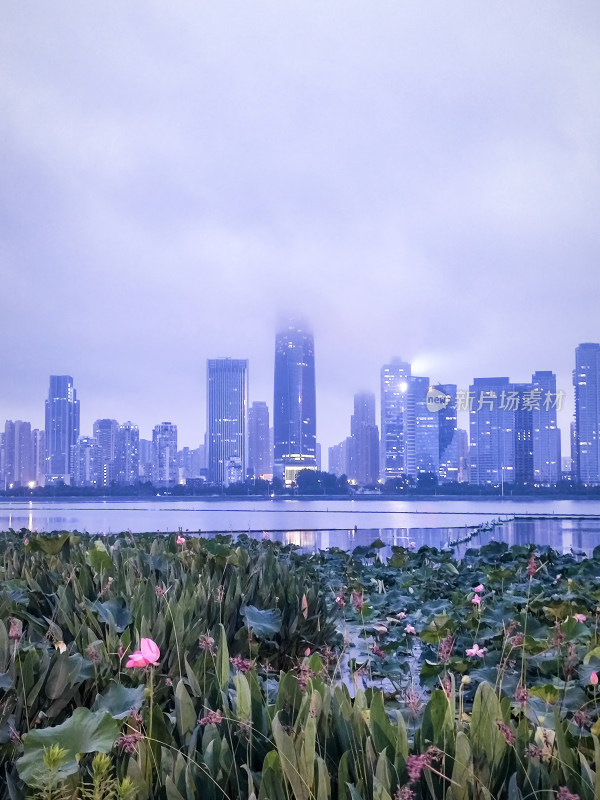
414,179
565,411
513,432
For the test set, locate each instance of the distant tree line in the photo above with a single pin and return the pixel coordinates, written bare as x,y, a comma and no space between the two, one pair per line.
310,483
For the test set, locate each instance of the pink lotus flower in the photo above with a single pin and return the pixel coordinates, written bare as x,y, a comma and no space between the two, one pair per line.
594,679
475,651
476,600
579,617
149,653
180,540
410,629
400,615
479,588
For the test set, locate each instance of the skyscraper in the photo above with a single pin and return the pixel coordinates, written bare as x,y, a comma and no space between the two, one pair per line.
364,438
227,404
18,454
394,388
259,450
586,379
164,446
514,436
105,433
448,435
62,428
422,435
39,456
127,454
294,407
86,463
547,467
492,433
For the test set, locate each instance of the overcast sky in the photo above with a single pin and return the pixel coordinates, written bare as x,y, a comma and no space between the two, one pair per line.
418,179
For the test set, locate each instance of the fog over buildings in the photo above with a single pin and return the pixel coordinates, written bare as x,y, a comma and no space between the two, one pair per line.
418,181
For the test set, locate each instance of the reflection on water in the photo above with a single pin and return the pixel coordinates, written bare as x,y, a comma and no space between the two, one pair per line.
567,536
318,525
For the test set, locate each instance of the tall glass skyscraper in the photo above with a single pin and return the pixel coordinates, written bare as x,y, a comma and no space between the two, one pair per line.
586,379
164,446
259,440
294,407
395,378
364,439
62,428
227,406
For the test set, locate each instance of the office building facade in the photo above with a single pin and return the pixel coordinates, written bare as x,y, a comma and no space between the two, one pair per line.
227,406
259,441
164,452
62,428
294,406
586,380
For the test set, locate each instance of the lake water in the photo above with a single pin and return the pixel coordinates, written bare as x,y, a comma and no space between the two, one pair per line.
567,525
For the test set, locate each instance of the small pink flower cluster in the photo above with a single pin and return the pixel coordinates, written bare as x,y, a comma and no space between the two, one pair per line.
532,567
16,629
445,649
358,600
207,643
521,694
564,794
147,655
509,736
242,664
416,764
212,718
127,742
404,793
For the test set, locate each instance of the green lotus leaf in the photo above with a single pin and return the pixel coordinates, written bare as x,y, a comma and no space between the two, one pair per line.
84,732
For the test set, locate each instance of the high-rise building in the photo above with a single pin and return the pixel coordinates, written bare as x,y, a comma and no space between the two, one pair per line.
463,455
422,438
62,428
86,462
492,433
294,407
586,379
524,438
105,433
18,454
514,436
146,461
395,378
448,434
547,462
339,458
127,454
164,446
364,441
259,450
227,404
39,456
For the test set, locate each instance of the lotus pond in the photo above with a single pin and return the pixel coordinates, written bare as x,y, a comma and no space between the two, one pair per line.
173,668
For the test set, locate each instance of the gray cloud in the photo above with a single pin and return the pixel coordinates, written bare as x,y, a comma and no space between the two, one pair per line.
417,179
